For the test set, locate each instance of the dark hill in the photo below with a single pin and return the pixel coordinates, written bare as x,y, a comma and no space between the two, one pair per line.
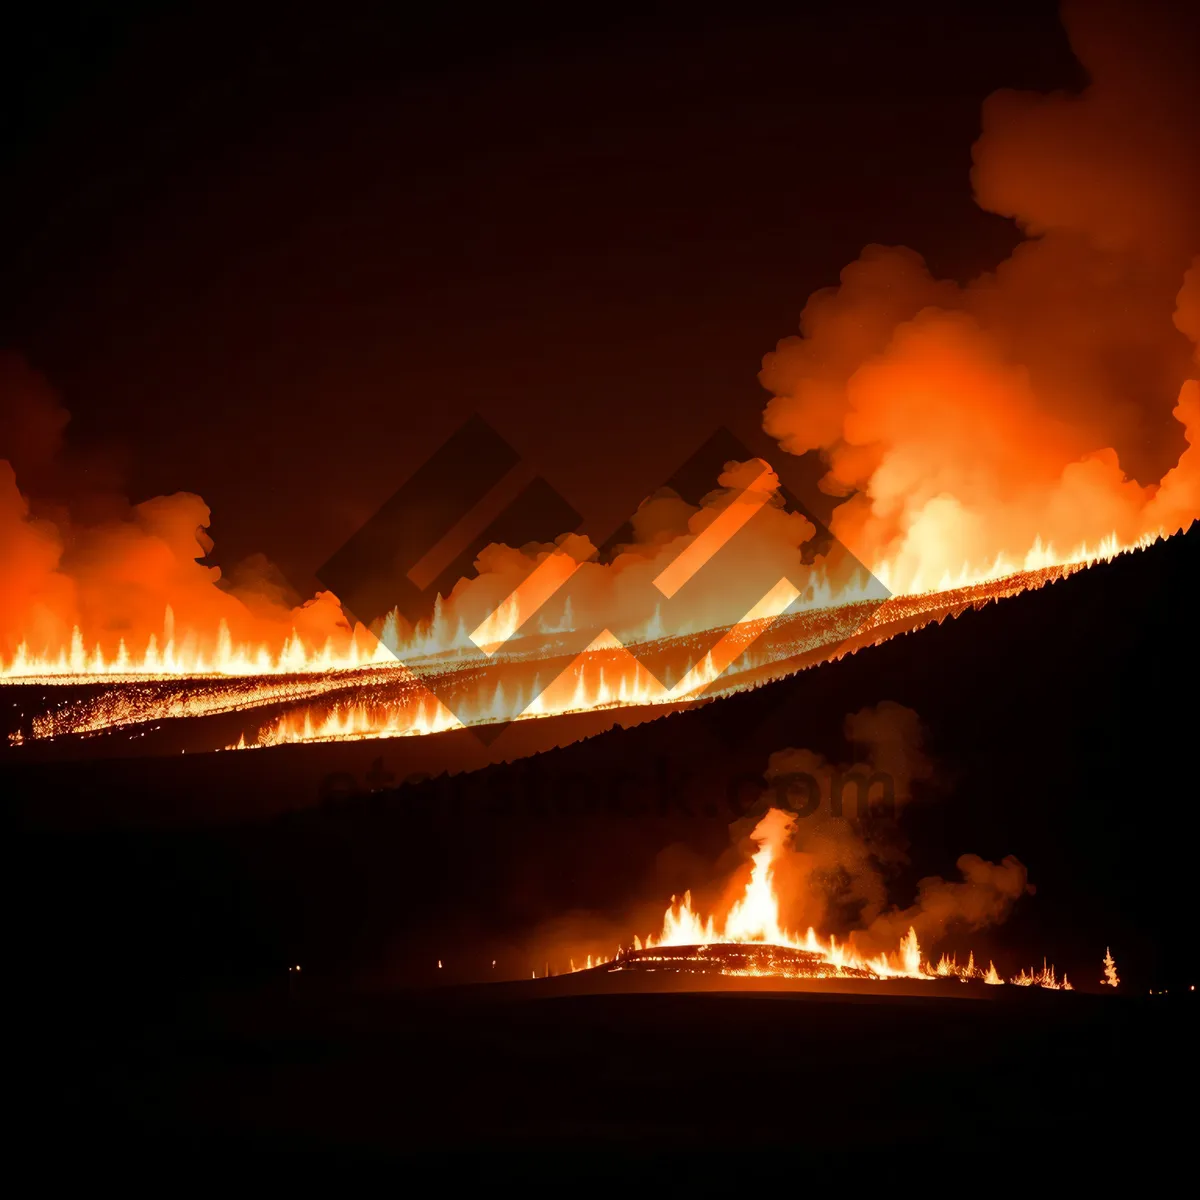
1063,721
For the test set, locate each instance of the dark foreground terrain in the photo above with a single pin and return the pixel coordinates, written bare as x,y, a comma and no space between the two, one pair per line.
520,1076
158,1032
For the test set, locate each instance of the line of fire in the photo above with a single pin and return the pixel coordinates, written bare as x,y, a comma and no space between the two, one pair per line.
565,712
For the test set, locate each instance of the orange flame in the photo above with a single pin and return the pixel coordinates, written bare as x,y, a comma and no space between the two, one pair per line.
390,700
197,652
755,919
1045,978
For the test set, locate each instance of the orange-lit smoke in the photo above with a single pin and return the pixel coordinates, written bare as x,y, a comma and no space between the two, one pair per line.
113,568
624,591
834,873
825,867
1044,413
131,576
1053,398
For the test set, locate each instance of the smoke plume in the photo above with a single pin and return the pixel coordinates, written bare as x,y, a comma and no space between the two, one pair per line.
1053,397
88,558
1047,405
91,560
841,853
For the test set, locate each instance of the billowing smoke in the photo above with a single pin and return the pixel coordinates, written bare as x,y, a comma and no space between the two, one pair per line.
1049,405
1047,399
86,557
618,591
92,560
845,844
983,897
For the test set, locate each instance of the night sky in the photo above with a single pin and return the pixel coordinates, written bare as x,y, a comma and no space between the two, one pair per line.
276,259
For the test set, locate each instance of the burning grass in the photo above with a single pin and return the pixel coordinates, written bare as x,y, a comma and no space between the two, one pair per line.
307,695
752,941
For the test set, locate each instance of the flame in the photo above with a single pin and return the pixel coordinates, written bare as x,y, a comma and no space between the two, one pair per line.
1111,978
607,675
170,652
1044,978
194,655
948,967
755,917
369,684
755,920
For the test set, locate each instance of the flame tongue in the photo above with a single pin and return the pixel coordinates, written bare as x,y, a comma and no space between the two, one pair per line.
368,687
755,921
755,917
191,649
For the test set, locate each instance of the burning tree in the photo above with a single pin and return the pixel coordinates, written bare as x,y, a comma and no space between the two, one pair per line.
1110,969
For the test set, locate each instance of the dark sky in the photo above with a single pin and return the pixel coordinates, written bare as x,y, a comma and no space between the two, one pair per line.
276,255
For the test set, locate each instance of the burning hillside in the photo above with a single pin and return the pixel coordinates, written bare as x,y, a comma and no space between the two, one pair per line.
980,437
386,698
827,862
558,568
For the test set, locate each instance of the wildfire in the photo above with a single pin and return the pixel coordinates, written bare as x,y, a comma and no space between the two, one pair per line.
197,652
1045,978
980,433
1111,978
753,940
370,684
